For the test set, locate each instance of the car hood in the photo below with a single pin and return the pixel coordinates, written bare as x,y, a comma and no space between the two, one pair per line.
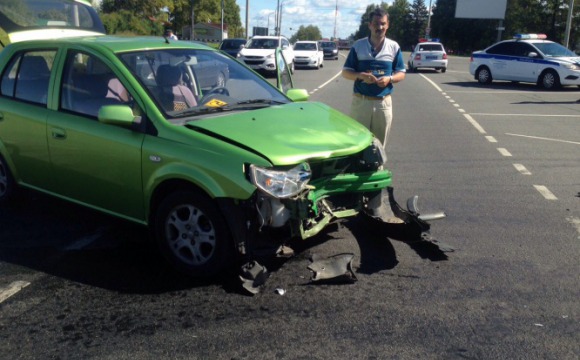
291,133
305,53
566,59
256,52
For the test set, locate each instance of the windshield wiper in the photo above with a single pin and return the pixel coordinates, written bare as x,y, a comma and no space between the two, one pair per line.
236,106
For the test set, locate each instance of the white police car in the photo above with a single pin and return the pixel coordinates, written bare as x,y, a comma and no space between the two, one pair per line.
428,53
527,58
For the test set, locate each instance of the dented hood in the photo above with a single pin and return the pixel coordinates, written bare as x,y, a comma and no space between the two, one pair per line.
291,133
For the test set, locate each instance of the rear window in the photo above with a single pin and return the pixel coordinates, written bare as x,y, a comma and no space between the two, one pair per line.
41,14
431,47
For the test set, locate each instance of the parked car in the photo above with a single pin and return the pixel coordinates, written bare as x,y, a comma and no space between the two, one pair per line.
527,58
308,54
126,126
428,54
259,53
330,49
232,46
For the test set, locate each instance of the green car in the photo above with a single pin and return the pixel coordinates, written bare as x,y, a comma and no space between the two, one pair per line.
173,135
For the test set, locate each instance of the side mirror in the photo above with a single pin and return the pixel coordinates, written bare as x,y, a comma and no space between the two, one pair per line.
121,115
533,54
298,94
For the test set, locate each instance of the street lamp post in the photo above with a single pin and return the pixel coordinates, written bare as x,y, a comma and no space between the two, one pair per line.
428,30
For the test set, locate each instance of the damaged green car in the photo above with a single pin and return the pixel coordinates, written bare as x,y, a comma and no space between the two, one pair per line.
176,136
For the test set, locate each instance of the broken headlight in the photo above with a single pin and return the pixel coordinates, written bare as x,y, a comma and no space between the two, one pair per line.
281,183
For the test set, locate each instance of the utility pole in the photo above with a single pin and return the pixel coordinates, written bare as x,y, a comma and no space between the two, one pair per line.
192,33
569,23
428,30
247,19
223,20
335,16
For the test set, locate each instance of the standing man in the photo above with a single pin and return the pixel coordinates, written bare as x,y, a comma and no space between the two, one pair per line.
375,64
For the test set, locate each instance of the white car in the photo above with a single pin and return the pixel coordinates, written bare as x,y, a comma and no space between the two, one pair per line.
259,53
308,54
527,58
428,54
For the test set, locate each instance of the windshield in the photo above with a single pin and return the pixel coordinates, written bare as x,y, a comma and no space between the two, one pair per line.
195,82
553,49
232,44
305,46
328,44
263,44
41,14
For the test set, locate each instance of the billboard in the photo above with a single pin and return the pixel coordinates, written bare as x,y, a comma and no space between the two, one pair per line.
481,9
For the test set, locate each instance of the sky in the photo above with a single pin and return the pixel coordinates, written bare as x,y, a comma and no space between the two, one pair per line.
296,13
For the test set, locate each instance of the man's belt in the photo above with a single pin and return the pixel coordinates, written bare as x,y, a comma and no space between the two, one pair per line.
370,97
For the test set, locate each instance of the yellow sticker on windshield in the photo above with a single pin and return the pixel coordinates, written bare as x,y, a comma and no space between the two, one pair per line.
215,103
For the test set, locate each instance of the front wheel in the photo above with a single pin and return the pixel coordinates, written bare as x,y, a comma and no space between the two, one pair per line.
192,234
549,80
7,184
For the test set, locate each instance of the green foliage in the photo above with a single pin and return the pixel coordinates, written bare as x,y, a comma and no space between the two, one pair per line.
309,32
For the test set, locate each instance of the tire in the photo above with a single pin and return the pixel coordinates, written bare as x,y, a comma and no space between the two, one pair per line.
192,234
443,70
549,80
7,184
483,75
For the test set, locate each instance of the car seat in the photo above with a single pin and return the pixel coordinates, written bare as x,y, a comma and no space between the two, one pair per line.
174,96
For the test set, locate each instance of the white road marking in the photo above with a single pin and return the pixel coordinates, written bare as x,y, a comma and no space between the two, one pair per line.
85,241
504,152
544,138
432,83
545,192
491,139
12,289
576,223
527,115
461,110
474,123
522,169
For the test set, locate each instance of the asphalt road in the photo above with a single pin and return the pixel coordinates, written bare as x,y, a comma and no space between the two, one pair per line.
501,160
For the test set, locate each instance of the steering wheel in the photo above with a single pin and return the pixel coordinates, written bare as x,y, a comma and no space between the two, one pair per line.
216,90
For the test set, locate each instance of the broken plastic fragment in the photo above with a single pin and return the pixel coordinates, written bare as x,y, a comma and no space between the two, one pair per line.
337,267
253,276
280,291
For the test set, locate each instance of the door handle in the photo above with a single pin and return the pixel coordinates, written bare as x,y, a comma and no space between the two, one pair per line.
59,134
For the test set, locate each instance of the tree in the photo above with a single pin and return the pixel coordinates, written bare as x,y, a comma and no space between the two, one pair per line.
309,32
418,18
399,19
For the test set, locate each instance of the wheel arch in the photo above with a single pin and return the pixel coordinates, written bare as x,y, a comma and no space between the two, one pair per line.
557,80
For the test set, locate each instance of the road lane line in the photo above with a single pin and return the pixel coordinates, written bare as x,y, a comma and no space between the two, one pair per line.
544,138
491,139
504,152
522,169
576,223
527,115
12,289
432,83
545,192
474,123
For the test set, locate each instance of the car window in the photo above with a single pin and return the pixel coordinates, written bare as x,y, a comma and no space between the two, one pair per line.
554,49
522,49
504,48
304,46
88,83
28,76
263,44
191,82
432,47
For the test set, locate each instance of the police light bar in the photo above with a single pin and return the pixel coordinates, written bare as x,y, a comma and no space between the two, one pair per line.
422,40
530,36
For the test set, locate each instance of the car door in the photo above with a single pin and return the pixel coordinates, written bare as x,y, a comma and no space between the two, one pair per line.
502,62
94,163
526,68
24,95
